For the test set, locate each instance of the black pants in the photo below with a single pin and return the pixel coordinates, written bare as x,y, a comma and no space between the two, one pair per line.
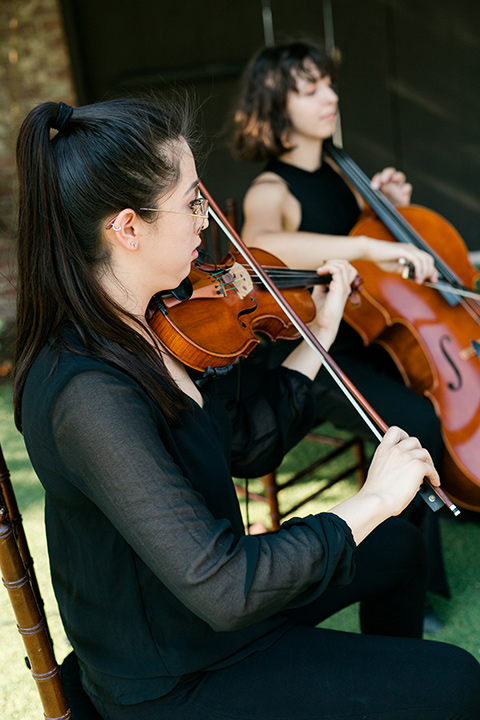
316,673
372,372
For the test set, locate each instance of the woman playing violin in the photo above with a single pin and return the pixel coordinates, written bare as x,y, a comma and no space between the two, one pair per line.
301,209
172,611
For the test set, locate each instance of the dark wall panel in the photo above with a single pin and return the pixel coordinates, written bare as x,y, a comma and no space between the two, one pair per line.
409,87
119,46
410,96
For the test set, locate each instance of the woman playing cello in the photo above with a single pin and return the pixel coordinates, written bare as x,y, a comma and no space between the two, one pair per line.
301,209
171,610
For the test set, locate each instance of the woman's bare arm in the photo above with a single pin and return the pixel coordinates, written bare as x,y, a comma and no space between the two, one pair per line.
273,216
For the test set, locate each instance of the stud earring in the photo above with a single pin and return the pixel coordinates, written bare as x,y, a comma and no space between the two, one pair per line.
133,244
116,229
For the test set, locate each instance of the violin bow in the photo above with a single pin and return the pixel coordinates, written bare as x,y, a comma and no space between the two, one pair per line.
433,496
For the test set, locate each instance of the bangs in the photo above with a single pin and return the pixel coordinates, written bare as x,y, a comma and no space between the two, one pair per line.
307,62
306,71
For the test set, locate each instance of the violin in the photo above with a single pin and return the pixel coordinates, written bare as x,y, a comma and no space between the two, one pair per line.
282,316
429,330
231,294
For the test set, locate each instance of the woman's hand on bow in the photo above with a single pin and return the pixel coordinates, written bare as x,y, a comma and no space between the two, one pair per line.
387,255
397,471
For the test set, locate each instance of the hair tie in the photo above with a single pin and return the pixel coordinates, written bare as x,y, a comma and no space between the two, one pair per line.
63,116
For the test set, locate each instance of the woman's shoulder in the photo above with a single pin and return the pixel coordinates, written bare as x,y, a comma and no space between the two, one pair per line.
58,363
269,177
269,206
267,187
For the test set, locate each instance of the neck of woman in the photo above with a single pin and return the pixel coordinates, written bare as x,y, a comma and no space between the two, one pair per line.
306,153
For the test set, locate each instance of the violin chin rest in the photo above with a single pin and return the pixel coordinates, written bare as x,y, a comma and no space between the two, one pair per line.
184,290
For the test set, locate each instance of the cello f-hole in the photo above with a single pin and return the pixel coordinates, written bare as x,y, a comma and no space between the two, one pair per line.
450,385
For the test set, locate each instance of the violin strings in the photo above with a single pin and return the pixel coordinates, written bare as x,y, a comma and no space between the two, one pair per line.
289,277
283,271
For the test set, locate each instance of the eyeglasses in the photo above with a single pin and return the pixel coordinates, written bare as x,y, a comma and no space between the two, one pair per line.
200,214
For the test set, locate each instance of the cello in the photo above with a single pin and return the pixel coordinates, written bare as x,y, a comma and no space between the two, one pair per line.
429,330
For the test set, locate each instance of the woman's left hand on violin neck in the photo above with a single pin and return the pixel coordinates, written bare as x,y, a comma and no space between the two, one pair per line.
330,299
330,304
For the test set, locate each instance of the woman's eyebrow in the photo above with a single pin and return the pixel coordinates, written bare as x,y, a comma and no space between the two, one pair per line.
192,186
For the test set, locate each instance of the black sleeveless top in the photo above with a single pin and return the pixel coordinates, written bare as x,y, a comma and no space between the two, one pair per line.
328,207
328,204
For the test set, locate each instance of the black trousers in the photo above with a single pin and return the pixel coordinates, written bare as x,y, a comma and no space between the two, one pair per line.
387,673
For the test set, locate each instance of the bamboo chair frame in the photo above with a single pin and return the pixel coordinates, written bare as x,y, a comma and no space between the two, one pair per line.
16,567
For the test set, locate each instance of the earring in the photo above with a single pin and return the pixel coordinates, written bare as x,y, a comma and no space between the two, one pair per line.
115,228
133,244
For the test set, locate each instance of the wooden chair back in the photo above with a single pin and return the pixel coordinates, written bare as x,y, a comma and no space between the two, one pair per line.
16,567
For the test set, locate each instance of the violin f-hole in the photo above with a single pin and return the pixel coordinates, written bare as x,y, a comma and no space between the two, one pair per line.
247,311
450,385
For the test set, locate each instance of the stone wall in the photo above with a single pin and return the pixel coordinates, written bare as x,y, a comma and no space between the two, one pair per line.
34,67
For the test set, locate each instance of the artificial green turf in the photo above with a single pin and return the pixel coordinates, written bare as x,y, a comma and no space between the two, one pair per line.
18,696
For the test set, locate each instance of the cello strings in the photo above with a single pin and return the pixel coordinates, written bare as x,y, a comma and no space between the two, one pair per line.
392,219
385,210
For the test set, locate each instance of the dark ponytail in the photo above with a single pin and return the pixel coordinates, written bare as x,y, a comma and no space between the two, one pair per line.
104,157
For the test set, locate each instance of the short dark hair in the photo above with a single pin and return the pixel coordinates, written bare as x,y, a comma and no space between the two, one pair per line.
122,153
261,122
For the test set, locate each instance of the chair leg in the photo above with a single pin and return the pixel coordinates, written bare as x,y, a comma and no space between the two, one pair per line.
271,491
340,447
360,461
8,498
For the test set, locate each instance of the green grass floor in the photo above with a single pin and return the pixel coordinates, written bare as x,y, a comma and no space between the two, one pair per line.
18,696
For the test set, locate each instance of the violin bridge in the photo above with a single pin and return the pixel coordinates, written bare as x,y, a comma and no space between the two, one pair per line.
240,279
469,352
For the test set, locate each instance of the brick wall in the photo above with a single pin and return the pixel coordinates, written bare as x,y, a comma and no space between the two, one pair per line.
34,67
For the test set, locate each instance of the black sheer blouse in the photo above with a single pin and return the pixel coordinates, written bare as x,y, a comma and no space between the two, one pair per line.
154,576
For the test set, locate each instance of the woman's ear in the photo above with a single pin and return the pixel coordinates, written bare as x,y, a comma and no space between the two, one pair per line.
126,229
